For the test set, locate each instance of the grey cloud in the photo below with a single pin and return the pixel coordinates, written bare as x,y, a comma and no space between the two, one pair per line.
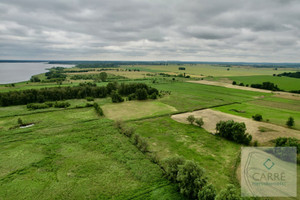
216,30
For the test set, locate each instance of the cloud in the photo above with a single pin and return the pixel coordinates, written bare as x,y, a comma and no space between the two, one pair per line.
198,30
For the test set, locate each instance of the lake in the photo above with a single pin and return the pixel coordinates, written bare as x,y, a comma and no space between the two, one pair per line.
18,72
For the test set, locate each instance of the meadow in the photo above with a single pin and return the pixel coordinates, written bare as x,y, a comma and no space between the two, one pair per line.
72,153
284,83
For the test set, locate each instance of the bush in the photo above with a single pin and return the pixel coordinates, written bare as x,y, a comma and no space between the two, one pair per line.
233,82
142,145
119,124
287,142
290,122
257,117
135,139
127,131
35,106
141,94
207,193
229,193
191,179
89,98
190,119
61,104
199,122
234,131
255,143
171,167
20,122
98,109
116,98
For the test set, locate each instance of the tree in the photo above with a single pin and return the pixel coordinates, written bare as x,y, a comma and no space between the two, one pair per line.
116,98
190,119
207,193
257,117
290,122
229,193
171,167
141,94
103,76
191,179
199,122
234,131
233,82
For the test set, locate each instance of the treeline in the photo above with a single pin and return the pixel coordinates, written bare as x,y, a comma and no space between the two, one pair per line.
97,65
24,97
57,104
290,74
266,86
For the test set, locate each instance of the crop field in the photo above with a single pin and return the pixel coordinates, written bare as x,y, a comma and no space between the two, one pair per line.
284,83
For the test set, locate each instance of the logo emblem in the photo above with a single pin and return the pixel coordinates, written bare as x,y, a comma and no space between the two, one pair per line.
269,164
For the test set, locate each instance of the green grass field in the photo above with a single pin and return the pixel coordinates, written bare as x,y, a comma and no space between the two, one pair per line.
72,154
192,96
284,83
169,138
273,110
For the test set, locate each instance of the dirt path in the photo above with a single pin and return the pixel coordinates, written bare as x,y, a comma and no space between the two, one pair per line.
228,85
212,117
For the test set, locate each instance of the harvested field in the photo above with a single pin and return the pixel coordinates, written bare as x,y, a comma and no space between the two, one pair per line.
212,117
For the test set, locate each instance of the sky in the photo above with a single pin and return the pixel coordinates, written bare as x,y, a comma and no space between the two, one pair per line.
183,30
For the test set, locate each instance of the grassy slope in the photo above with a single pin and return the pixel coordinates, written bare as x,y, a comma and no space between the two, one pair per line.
71,154
169,138
284,83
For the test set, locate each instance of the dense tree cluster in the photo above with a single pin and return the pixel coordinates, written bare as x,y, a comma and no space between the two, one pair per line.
290,74
56,74
97,65
266,86
233,131
76,92
288,142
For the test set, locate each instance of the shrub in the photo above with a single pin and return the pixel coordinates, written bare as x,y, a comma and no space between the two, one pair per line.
241,84
234,131
35,106
233,82
61,104
98,109
199,122
288,142
20,122
229,193
207,193
89,98
191,179
171,167
257,117
190,119
142,145
103,76
135,139
255,143
141,94
119,124
116,98
290,122
128,131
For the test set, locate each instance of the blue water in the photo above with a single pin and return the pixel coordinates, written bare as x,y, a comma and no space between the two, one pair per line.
18,72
